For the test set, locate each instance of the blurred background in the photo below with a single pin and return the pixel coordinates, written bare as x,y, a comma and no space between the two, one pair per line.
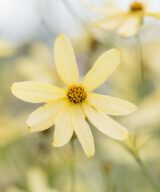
28,162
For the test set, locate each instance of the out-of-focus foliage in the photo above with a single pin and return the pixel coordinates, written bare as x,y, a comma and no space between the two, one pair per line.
28,162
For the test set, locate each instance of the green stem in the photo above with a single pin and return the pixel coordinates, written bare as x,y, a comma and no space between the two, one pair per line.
73,167
145,171
139,45
110,187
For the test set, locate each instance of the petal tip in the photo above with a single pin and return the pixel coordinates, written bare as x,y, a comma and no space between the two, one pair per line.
116,52
90,155
12,88
30,129
134,108
54,144
125,135
61,36
131,108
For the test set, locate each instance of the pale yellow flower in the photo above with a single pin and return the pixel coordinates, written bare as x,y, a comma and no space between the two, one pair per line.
68,108
127,23
36,182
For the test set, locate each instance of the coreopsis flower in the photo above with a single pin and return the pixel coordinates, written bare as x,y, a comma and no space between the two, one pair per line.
126,22
68,108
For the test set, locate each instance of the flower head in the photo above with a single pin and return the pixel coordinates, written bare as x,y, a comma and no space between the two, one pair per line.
136,6
126,22
69,107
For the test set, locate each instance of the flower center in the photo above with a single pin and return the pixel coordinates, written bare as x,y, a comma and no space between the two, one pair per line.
76,94
136,6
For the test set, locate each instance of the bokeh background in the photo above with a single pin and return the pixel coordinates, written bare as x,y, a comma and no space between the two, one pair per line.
28,162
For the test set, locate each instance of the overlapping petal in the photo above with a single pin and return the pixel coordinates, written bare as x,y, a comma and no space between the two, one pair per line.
65,60
105,124
102,68
44,117
36,92
111,105
153,14
111,22
130,26
63,127
83,132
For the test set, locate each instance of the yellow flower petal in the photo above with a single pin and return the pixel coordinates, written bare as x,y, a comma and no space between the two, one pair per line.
130,26
63,128
36,92
105,124
83,132
65,60
111,105
37,180
44,117
111,22
154,14
102,68
106,8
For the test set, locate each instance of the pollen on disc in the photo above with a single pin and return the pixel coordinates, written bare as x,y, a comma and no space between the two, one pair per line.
76,94
136,6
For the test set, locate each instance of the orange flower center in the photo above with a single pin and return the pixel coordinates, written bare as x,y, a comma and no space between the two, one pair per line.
136,6
76,94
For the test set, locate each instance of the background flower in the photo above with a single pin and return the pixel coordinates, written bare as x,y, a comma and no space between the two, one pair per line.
126,22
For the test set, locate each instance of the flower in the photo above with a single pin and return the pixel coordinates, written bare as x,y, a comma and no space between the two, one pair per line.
126,22
69,107
36,182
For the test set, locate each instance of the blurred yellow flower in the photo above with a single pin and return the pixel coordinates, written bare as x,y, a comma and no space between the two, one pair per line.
68,108
6,48
36,61
126,22
10,130
147,116
36,181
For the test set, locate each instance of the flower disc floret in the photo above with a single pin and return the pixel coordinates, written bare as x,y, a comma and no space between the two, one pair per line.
76,94
136,6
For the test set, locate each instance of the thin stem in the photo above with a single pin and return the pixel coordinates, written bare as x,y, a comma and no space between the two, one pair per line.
145,171
139,45
73,13
110,187
73,167
145,142
107,175
43,10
